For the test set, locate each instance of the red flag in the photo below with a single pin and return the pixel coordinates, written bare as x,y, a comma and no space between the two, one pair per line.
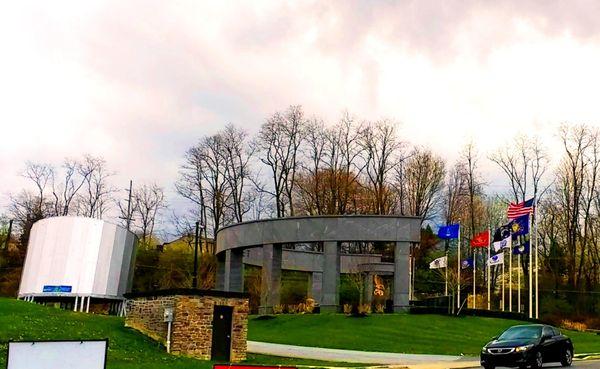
481,239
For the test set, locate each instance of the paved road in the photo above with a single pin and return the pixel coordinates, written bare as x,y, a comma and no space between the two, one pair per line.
586,364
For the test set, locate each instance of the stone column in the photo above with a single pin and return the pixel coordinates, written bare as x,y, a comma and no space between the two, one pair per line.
369,288
234,270
271,278
220,282
315,285
401,276
331,277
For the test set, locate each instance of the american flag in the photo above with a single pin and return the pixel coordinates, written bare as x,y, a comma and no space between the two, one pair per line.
520,209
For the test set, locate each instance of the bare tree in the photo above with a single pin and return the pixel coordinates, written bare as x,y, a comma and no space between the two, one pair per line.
149,201
66,184
419,181
279,141
382,152
236,155
96,195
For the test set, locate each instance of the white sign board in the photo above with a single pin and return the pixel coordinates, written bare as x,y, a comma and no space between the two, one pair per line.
57,355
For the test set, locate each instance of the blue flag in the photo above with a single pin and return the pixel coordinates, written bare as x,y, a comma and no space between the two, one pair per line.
521,249
467,263
449,231
519,226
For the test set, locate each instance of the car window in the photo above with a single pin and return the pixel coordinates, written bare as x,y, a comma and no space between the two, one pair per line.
548,332
521,332
556,331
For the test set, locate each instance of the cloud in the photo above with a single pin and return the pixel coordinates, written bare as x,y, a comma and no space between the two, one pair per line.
139,82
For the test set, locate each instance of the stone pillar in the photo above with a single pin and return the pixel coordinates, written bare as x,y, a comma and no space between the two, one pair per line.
401,276
220,280
331,277
315,286
369,288
234,270
271,278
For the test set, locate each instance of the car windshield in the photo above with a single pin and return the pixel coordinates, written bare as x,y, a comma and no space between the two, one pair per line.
515,333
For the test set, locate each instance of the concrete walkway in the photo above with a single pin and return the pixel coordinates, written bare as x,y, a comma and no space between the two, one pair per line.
363,357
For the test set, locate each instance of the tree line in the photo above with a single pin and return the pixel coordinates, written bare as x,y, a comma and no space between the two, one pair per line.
298,164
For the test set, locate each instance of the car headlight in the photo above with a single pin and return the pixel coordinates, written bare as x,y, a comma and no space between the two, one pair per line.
523,348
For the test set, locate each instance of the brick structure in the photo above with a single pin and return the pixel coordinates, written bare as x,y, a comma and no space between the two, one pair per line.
192,327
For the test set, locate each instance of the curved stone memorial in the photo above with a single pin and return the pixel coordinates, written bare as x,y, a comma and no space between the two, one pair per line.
270,234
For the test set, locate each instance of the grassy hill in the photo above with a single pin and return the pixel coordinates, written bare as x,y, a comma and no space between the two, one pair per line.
418,334
127,348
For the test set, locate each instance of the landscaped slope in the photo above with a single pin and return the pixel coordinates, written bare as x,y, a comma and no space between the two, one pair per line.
404,333
127,348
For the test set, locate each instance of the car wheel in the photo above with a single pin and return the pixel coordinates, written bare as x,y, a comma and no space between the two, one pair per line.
538,361
567,358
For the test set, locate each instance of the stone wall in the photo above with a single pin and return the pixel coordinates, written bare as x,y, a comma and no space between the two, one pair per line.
192,322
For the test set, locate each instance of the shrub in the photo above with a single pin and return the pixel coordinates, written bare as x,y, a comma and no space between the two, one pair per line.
309,306
364,309
347,309
278,309
575,326
379,308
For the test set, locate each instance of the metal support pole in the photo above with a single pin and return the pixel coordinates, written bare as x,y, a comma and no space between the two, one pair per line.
195,273
458,293
510,280
519,283
87,307
76,301
487,264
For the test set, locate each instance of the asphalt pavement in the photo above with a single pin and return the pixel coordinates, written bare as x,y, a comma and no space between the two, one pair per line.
583,364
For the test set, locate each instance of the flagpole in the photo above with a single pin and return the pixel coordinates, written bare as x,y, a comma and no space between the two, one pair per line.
458,294
487,264
474,276
519,283
510,280
530,275
502,279
535,235
446,277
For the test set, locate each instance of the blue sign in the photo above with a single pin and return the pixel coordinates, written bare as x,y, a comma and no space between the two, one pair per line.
57,289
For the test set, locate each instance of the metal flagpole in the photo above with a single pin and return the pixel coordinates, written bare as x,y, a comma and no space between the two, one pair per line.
487,264
474,277
519,283
530,276
510,280
458,294
503,279
446,278
535,235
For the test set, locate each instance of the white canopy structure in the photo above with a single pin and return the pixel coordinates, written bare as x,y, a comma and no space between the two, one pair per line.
76,258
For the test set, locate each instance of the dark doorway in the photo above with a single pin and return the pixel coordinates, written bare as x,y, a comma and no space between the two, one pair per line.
221,336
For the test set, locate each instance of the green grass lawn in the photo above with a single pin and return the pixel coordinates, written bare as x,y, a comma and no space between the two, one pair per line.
405,333
127,348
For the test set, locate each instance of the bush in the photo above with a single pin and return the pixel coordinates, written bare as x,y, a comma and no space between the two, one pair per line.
278,309
364,309
379,308
347,309
574,326
309,306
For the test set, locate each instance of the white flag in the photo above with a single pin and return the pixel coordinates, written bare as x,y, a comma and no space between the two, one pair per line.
496,259
503,244
439,263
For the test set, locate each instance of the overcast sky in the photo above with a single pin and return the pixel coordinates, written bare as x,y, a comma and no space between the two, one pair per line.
139,82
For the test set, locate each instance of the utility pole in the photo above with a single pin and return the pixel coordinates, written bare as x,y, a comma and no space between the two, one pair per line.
129,205
195,271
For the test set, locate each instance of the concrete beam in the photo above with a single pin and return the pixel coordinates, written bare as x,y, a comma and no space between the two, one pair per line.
369,288
401,276
271,278
331,277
